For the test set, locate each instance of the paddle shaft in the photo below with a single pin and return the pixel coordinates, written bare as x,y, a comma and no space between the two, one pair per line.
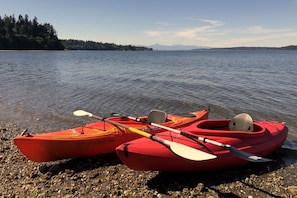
145,134
177,148
235,151
148,135
180,132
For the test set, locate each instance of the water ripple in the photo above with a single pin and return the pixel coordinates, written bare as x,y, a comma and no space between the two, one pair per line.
42,89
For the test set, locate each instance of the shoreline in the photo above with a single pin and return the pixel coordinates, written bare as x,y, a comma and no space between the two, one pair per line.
106,176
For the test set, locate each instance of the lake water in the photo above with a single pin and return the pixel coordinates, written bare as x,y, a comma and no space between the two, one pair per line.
40,90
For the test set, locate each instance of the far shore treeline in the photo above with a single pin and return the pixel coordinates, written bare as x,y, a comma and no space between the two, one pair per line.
24,34
72,44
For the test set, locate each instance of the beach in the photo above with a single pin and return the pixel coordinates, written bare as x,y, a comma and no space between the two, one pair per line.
106,176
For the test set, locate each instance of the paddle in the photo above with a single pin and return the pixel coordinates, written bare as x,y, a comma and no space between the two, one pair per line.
177,148
235,151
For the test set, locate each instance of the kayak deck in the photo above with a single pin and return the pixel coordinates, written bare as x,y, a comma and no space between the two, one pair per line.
92,139
146,155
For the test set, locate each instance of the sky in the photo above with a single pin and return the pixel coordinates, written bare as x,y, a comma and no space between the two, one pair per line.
203,23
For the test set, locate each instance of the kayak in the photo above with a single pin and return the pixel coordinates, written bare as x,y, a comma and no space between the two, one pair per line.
144,154
94,138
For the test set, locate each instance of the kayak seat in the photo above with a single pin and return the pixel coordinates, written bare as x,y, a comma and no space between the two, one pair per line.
241,122
157,116
221,125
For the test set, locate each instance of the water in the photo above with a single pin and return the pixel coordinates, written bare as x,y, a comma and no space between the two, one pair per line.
40,90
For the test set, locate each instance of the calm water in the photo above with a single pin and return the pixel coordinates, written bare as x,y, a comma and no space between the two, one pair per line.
40,90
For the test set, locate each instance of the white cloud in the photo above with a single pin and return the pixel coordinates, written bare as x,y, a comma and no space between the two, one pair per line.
209,21
270,40
191,33
214,23
188,33
157,33
214,33
262,30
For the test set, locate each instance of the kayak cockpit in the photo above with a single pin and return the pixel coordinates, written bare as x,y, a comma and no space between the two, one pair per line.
241,125
223,125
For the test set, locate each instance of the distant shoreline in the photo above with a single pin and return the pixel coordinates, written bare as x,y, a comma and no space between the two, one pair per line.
290,47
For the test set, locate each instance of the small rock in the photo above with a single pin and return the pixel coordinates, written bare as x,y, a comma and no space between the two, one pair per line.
3,130
200,187
43,169
292,190
55,169
46,176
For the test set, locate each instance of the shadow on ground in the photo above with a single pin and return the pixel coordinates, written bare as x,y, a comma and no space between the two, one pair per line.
80,164
165,182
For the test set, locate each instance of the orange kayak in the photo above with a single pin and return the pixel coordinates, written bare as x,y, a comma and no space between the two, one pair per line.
94,138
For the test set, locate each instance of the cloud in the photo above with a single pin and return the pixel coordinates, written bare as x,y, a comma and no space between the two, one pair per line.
209,21
215,33
262,30
191,33
214,23
263,40
157,33
188,33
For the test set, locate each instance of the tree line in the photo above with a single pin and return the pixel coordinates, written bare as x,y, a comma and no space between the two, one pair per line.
72,44
25,34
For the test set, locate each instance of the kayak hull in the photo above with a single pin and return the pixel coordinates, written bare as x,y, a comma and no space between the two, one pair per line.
92,139
147,155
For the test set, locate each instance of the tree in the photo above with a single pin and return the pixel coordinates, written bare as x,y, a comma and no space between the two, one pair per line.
26,34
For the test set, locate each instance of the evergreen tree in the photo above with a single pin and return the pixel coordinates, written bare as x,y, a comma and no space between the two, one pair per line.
25,34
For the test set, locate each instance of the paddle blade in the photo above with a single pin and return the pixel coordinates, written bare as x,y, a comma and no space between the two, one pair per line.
247,156
189,152
82,113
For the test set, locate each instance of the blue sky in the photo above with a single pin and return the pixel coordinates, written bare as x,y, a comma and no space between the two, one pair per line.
211,23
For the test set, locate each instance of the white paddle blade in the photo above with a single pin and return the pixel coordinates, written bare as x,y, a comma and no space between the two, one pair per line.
189,152
82,113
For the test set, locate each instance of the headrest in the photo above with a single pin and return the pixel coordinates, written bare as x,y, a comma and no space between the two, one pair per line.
157,116
241,122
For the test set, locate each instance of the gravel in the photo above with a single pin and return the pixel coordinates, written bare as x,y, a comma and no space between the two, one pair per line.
106,176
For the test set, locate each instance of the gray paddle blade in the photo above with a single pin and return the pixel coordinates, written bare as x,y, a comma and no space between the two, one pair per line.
247,156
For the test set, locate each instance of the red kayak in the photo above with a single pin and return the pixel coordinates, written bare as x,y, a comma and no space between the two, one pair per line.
261,138
95,138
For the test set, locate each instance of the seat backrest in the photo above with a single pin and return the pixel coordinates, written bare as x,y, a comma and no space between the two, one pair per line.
157,116
241,122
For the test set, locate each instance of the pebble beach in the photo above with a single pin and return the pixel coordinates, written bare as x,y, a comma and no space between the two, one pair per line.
106,176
